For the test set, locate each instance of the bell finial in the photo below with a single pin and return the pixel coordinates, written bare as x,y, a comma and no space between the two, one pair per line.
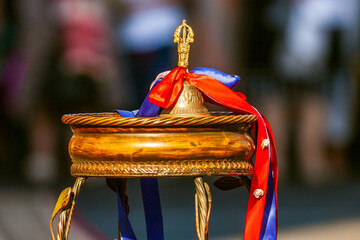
183,35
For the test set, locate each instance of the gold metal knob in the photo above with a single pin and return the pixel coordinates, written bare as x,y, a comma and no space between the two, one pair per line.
183,35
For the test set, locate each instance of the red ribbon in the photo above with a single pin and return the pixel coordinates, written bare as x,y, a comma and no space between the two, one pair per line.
165,94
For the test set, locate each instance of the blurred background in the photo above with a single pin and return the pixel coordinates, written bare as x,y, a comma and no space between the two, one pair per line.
299,61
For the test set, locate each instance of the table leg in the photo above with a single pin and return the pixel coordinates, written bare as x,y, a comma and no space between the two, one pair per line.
202,208
66,214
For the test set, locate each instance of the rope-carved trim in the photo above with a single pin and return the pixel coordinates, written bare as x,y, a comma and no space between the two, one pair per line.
114,120
186,168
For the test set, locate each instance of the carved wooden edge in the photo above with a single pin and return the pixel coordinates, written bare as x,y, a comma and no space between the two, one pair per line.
183,168
114,120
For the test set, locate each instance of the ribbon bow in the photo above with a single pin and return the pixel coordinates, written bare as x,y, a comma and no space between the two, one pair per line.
166,93
261,217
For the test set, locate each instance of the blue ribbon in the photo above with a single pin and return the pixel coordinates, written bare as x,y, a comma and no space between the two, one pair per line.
126,230
268,226
228,80
152,208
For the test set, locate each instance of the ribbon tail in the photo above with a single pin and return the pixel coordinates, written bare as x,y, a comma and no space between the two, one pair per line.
152,208
274,168
269,223
126,230
257,206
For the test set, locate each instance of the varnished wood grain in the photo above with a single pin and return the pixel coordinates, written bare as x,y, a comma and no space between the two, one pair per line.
160,151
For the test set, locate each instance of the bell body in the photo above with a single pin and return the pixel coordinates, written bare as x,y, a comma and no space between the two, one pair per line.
189,103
